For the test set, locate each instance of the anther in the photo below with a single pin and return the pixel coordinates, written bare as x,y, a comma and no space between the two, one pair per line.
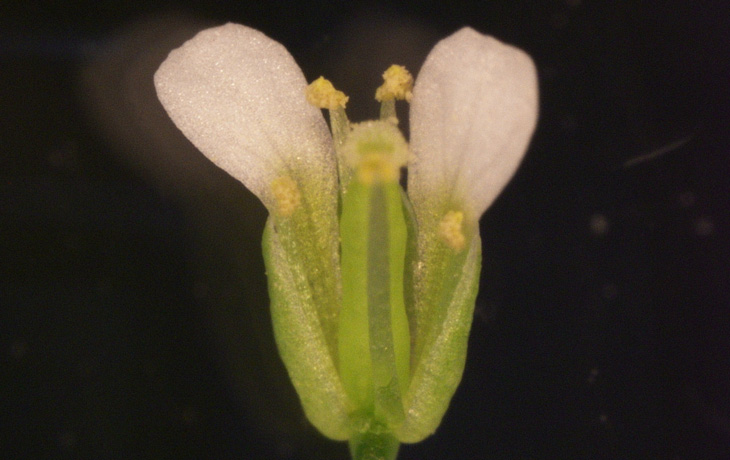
450,230
321,93
397,84
286,194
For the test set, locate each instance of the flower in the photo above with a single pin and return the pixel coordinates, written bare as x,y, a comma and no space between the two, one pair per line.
372,293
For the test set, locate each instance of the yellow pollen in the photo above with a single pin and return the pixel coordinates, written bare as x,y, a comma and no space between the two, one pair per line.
321,93
286,195
450,230
397,84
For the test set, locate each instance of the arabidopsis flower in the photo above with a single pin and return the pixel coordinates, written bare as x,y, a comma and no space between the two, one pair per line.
372,290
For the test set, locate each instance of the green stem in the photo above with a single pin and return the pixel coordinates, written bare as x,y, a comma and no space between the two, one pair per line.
374,445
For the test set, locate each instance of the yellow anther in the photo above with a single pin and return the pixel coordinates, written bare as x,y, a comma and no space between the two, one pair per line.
321,93
286,194
397,84
450,229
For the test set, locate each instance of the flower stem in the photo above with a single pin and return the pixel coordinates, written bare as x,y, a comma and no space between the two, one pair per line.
374,445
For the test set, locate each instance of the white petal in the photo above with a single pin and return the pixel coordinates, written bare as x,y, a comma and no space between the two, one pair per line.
240,98
473,112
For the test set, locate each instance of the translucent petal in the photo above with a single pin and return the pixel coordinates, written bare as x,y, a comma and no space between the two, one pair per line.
240,98
473,112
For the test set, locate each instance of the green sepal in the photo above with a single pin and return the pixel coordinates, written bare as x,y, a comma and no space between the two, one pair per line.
445,285
300,336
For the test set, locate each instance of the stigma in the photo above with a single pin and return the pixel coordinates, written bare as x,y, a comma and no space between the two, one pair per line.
375,151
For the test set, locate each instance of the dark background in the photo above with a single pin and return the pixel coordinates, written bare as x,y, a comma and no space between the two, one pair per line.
133,310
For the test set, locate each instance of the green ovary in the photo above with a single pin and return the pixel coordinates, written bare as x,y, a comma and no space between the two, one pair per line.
373,337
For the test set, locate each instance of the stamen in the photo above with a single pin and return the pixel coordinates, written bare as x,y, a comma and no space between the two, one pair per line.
450,229
286,194
321,93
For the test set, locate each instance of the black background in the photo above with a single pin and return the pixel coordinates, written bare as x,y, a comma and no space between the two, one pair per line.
133,309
